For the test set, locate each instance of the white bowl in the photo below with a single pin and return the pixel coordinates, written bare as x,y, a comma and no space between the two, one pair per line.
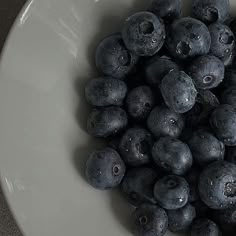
43,146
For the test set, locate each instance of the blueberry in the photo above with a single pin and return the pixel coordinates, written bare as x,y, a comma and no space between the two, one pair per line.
172,155
192,178
140,102
223,124
164,122
178,91
187,38
135,146
105,92
207,72
207,98
105,169
229,96
206,148
150,220
231,154
230,78
113,59
144,34
210,11
217,185
157,69
229,59
107,121
168,10
181,219
138,185
171,192
205,227
222,40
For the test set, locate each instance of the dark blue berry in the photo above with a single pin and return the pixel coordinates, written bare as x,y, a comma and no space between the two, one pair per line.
105,169
107,121
105,92
113,59
138,185
181,219
144,34
135,146
206,148
223,124
164,122
150,220
210,11
207,72
217,185
172,155
171,192
178,91
139,102
168,10
187,38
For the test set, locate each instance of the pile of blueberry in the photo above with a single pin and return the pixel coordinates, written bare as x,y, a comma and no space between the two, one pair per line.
166,104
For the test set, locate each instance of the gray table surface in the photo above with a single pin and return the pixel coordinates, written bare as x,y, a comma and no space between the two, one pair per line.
8,12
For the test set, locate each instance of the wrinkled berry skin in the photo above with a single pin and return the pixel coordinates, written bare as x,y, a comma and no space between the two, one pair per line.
144,34
181,219
140,102
171,192
105,169
178,91
164,122
210,11
172,155
217,185
113,59
107,121
205,227
150,220
231,154
105,92
187,38
229,96
168,10
138,185
223,124
157,69
206,148
135,146
222,40
207,72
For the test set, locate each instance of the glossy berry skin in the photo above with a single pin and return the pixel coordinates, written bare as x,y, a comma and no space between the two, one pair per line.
139,102
113,58
217,185
107,121
205,227
138,185
210,11
206,148
144,34
164,122
222,40
150,220
223,124
181,219
105,169
207,72
168,10
172,155
179,92
105,91
135,146
171,192
231,154
187,38
229,96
